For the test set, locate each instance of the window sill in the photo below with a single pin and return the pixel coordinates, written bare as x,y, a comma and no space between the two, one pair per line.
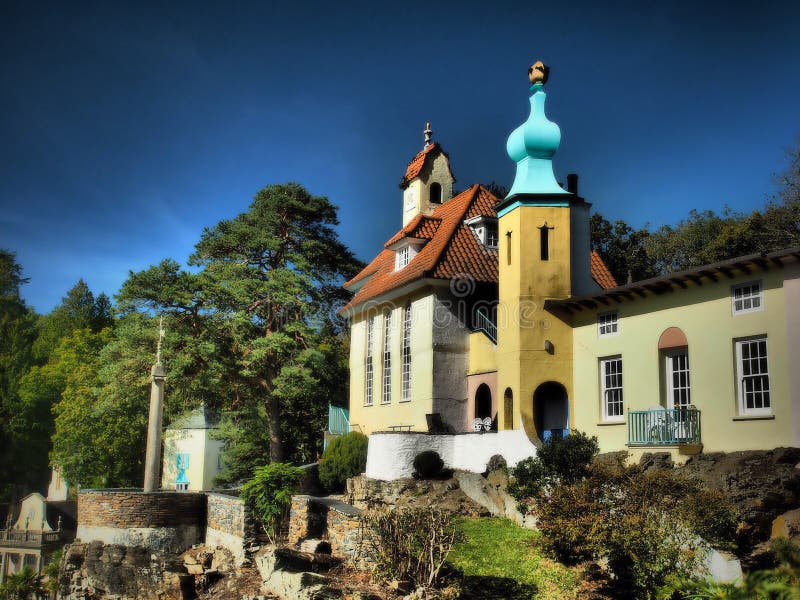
754,418
607,423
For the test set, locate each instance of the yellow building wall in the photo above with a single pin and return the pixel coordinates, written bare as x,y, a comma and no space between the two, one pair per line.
203,454
526,281
380,416
482,353
705,316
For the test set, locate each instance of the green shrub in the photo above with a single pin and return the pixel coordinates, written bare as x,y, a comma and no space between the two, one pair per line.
427,464
714,518
269,492
412,543
345,457
565,460
642,521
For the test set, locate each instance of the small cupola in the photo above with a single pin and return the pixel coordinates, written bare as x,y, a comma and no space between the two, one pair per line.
428,182
533,144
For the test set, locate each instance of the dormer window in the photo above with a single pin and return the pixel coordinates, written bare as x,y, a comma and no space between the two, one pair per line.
405,250
485,229
402,257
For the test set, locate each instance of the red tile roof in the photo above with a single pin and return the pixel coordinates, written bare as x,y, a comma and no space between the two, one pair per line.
600,272
416,164
452,250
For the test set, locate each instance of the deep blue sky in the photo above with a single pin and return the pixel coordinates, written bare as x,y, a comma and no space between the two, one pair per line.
127,128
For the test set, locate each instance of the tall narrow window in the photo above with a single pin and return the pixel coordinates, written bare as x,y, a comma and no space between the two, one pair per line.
677,379
753,372
544,239
368,379
611,388
387,359
508,409
406,392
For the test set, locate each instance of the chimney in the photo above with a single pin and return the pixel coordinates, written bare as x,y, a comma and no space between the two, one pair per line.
572,183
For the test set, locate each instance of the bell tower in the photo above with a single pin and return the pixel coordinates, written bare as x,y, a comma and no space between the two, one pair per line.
543,255
428,181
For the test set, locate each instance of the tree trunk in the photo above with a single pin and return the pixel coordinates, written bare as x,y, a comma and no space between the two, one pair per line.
275,430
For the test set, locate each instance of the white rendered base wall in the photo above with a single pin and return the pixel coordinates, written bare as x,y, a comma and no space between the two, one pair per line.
390,455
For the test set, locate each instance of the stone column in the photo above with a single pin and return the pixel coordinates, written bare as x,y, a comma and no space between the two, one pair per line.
152,461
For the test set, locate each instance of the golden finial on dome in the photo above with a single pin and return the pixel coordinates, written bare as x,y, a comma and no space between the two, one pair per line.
538,72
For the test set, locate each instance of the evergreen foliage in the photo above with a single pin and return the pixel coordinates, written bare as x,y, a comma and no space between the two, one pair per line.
269,492
345,457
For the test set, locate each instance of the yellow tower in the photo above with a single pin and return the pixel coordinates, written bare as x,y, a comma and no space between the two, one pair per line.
543,255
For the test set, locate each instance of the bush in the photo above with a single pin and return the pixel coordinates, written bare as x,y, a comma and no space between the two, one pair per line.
567,459
642,521
564,460
427,464
269,492
345,457
412,543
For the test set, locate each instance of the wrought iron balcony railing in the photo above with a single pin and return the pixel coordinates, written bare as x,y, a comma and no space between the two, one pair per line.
23,538
663,427
485,324
338,419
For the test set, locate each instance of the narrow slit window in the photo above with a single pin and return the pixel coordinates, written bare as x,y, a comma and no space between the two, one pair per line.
544,239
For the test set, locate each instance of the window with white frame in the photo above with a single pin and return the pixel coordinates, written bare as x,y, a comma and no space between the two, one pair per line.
746,298
403,255
752,370
677,378
386,397
368,378
406,371
611,388
491,235
608,324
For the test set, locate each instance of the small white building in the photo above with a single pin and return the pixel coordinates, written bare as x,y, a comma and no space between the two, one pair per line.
192,457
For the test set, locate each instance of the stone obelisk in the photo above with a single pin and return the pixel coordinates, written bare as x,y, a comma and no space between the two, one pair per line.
152,461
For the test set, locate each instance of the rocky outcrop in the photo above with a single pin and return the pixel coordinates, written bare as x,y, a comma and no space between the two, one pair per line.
291,574
115,572
761,484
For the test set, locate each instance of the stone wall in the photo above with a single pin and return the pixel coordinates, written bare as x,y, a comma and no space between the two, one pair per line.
164,521
390,455
327,519
230,524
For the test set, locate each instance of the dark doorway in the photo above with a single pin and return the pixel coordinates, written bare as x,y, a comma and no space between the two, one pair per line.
551,411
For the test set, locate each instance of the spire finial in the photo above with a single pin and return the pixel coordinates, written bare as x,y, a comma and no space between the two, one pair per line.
428,134
538,73
160,338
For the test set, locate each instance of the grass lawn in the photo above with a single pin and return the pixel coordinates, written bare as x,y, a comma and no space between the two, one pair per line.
499,559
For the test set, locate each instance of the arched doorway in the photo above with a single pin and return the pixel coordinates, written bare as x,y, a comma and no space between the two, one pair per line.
483,403
551,411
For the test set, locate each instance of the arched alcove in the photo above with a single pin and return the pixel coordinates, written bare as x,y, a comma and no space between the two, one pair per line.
483,402
551,410
436,193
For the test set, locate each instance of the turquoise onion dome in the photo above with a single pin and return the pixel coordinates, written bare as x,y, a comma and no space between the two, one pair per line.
532,146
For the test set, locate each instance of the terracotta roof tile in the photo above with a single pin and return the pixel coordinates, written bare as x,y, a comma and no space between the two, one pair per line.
416,164
452,250
600,272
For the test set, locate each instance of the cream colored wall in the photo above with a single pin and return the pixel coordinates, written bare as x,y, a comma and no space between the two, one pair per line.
32,514
379,417
203,457
704,314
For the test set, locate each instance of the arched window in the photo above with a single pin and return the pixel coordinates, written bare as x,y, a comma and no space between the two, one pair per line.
508,409
675,352
436,193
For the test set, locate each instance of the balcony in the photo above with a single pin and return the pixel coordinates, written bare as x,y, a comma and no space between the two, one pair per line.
664,427
23,538
484,323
